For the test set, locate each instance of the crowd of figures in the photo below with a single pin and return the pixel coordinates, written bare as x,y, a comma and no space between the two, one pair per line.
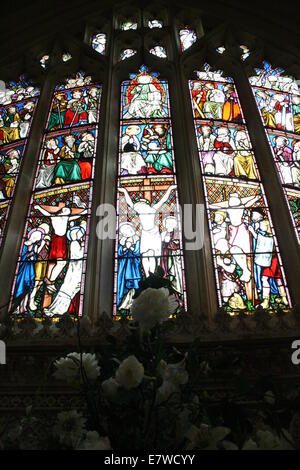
146,149
249,270
66,158
215,100
226,151
74,107
17,105
278,98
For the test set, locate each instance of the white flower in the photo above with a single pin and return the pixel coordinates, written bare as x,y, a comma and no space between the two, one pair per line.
70,427
68,368
130,373
93,441
176,374
173,375
295,429
206,437
153,306
228,445
250,445
166,391
110,387
183,422
267,440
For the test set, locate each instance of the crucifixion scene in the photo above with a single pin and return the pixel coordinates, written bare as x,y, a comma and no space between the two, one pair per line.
248,266
48,280
149,236
149,226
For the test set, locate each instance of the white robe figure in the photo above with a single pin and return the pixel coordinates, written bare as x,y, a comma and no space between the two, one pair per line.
150,238
72,280
46,172
147,100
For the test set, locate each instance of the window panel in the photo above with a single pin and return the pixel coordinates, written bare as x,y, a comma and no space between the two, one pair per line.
99,43
248,268
148,223
51,267
187,38
17,107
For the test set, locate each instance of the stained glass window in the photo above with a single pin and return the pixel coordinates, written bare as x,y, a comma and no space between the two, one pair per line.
66,56
149,228
245,52
126,53
17,105
44,61
128,25
159,51
155,24
247,261
221,49
99,42
51,267
187,38
278,100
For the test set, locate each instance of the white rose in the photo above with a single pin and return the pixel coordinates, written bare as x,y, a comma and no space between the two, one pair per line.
93,441
130,373
153,306
68,368
110,387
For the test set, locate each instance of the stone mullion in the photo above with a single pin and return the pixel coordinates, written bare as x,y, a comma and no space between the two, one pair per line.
95,274
101,256
16,223
201,292
283,225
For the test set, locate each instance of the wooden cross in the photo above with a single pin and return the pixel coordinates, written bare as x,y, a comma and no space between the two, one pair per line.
147,187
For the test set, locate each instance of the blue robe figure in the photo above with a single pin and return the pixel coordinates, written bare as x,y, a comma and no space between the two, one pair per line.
129,270
26,273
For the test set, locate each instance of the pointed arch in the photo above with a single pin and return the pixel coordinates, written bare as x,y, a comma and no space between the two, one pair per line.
248,267
50,271
149,237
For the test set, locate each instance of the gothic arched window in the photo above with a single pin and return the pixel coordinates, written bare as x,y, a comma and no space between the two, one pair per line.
52,262
187,38
247,261
51,267
149,227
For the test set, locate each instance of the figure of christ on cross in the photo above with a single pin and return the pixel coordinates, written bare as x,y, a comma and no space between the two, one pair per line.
150,238
239,242
60,216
